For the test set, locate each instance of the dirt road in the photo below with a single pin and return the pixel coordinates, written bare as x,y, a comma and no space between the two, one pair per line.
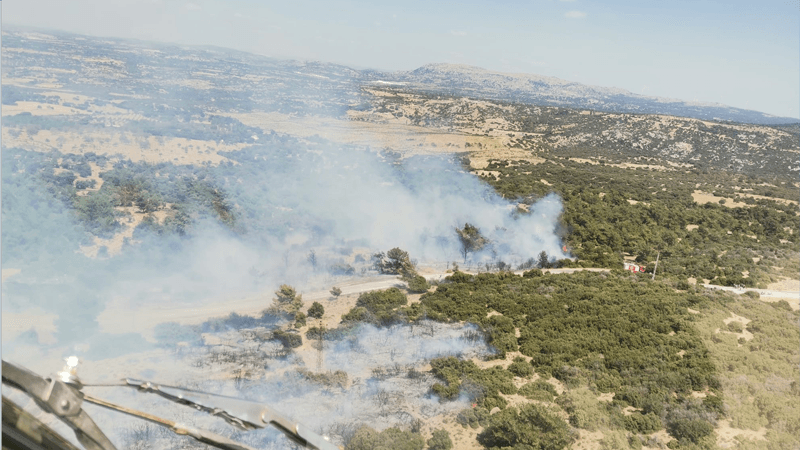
767,295
119,318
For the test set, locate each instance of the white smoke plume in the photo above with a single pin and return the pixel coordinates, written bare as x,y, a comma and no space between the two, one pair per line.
288,196
383,385
333,200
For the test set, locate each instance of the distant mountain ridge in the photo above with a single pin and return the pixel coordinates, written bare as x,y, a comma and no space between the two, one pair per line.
340,85
457,79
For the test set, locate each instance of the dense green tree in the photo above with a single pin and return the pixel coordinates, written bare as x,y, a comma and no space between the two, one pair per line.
543,261
471,240
97,211
395,262
287,300
520,367
365,438
530,427
316,311
418,284
440,440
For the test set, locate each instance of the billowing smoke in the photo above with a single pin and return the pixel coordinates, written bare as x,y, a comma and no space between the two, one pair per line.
280,209
334,195
368,376
288,198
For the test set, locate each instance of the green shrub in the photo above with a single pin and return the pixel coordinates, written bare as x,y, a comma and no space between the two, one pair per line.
635,442
642,423
459,277
735,326
782,304
365,438
291,340
286,301
531,427
378,308
440,440
533,273
473,417
521,367
358,314
299,320
714,403
501,335
538,390
418,284
316,310
482,385
610,330
380,301
690,430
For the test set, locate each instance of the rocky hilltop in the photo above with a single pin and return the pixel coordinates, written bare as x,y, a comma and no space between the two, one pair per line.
472,81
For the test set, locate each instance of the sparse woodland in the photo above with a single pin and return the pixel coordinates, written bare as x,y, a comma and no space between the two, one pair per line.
661,363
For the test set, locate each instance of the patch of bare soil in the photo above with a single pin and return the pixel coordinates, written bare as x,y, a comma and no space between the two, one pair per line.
479,159
744,321
703,197
95,176
658,440
462,437
504,363
629,410
607,397
588,440
793,301
728,437
119,317
762,197
114,244
595,162
366,129
785,285
152,149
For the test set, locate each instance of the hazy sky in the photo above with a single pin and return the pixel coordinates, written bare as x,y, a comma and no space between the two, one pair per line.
740,53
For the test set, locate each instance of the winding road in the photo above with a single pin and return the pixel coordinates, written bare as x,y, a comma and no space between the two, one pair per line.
119,318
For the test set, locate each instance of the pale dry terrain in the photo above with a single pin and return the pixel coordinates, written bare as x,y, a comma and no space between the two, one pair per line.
704,197
125,145
483,132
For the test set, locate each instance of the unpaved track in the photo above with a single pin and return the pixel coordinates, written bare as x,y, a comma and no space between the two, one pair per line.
767,295
119,318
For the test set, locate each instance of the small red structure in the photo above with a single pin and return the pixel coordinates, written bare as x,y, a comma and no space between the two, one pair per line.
634,267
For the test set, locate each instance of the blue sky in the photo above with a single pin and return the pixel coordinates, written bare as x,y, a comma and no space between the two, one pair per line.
740,53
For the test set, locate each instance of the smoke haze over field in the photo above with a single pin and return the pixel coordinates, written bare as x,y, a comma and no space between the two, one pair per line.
220,233
288,197
379,387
